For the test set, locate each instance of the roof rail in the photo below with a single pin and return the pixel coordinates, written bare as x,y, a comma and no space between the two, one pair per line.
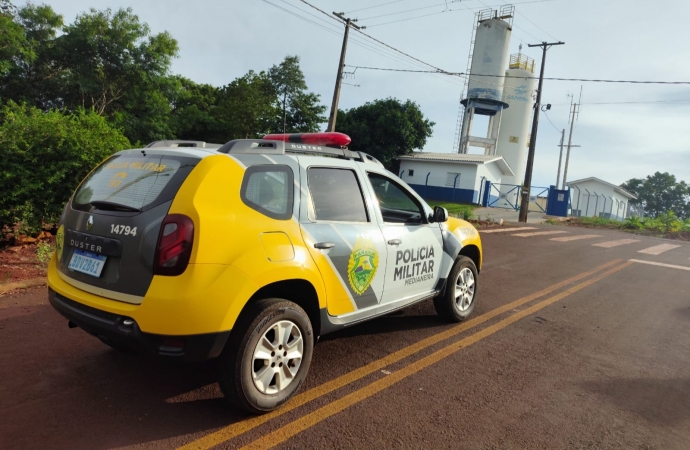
269,147
182,143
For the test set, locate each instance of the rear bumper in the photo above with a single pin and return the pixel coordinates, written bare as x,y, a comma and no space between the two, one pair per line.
123,330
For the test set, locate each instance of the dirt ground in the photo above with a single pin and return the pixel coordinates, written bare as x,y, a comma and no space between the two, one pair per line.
20,263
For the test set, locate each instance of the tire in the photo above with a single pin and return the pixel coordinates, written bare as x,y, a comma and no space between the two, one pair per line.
460,296
252,369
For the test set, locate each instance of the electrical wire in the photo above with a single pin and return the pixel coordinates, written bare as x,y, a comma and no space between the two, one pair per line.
375,6
374,39
453,10
379,51
549,119
589,80
408,10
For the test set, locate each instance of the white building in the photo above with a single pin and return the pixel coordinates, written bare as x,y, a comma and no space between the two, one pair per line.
592,197
459,178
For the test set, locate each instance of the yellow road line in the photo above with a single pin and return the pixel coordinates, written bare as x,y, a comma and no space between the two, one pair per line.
284,433
236,429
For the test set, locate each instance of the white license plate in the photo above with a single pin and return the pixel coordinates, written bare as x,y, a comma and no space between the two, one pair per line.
88,263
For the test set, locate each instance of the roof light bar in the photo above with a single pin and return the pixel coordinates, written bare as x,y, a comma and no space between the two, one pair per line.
330,139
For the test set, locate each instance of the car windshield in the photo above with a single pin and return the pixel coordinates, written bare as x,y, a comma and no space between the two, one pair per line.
130,183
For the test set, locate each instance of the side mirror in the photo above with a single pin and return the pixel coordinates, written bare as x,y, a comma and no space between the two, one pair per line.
440,214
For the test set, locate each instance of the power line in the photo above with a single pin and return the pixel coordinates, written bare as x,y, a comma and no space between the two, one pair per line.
589,80
375,6
452,10
379,51
549,119
374,39
408,10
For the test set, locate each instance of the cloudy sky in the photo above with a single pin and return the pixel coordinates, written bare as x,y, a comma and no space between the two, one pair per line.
625,130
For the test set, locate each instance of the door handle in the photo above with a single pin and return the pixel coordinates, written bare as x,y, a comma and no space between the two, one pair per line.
324,245
394,242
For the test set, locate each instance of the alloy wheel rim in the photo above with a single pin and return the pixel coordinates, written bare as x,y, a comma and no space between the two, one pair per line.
277,357
464,289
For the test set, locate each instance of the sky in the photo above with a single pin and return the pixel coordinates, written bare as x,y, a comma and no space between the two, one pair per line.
624,130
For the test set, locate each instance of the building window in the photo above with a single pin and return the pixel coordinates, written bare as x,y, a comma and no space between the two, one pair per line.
452,179
411,172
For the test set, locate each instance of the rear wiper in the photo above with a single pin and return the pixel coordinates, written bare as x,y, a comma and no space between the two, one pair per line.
111,206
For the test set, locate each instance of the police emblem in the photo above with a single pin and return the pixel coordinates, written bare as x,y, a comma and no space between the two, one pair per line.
60,241
361,269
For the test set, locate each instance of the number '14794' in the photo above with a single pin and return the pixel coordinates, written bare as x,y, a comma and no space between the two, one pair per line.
122,229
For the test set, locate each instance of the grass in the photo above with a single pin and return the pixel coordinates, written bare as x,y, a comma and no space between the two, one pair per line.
667,224
463,211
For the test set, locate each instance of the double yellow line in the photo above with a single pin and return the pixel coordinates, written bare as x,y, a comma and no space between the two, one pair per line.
292,428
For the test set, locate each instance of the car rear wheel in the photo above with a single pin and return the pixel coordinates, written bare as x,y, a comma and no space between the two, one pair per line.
457,302
268,356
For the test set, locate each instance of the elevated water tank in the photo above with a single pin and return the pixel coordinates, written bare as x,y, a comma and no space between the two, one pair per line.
489,61
513,136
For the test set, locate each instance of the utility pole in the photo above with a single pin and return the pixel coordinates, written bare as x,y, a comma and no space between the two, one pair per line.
570,142
339,78
560,158
527,185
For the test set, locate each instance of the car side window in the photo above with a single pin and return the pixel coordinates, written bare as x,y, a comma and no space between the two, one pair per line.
269,190
397,205
336,195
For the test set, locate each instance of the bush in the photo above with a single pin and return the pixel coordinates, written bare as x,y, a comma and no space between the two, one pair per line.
44,156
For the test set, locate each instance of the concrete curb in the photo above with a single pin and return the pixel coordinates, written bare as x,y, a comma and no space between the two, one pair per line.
4,288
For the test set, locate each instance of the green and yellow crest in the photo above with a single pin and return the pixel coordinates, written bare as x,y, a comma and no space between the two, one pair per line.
362,266
60,241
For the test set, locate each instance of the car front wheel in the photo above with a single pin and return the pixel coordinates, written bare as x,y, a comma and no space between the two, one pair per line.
459,298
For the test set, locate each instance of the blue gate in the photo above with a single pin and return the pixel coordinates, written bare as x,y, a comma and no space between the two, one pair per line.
506,196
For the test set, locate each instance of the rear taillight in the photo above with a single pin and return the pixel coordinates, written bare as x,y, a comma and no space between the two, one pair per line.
174,245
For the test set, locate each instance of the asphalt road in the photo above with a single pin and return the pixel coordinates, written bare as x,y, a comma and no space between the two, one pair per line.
571,345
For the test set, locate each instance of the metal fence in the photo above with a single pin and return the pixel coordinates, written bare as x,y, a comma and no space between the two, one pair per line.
586,203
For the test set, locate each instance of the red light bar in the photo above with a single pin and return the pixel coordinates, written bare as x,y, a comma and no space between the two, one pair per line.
329,139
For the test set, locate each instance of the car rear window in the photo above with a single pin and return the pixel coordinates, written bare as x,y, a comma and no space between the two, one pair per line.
140,182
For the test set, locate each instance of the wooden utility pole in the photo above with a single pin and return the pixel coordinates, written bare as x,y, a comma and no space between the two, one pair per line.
339,78
570,143
527,185
560,159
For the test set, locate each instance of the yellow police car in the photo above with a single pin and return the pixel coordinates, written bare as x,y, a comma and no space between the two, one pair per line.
249,251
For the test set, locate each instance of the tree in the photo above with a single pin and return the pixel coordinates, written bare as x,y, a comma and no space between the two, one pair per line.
118,68
44,157
300,109
659,194
12,39
193,111
33,74
386,128
246,108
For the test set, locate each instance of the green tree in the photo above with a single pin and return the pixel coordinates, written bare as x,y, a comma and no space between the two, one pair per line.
301,111
386,128
12,38
44,157
33,75
193,111
660,194
246,108
119,68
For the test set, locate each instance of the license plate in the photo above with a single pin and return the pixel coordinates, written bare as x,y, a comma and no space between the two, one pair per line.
87,262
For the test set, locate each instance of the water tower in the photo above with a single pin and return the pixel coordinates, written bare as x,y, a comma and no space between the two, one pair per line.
487,64
513,137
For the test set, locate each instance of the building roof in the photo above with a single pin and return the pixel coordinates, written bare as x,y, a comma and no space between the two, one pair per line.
459,158
618,189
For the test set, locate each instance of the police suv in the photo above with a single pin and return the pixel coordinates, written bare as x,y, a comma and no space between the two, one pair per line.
249,251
